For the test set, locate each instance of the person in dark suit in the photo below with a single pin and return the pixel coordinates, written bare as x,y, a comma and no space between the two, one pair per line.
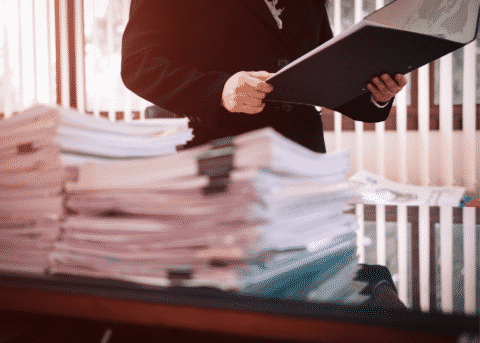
208,60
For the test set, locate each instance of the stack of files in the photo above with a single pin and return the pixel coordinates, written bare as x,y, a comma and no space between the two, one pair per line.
264,150
26,247
85,137
31,176
154,220
178,219
144,246
31,181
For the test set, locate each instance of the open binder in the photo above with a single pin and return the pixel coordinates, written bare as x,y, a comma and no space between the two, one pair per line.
398,38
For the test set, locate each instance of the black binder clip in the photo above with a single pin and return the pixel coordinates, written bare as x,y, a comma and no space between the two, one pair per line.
217,164
181,275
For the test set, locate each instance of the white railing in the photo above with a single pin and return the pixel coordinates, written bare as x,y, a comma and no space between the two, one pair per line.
425,158
421,157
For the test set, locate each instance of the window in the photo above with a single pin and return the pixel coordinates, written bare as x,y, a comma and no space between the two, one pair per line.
27,54
104,23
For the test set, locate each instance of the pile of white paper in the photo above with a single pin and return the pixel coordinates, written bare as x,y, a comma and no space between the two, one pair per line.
33,145
281,215
31,178
82,136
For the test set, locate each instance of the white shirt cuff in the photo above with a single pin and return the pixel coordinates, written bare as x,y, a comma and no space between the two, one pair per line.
377,104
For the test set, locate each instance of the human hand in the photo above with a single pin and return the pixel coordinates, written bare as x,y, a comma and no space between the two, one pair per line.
385,88
244,92
473,203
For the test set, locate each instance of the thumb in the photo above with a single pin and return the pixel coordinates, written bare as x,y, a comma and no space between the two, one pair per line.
474,203
262,75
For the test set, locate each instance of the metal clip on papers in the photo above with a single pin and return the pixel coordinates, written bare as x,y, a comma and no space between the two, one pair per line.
217,164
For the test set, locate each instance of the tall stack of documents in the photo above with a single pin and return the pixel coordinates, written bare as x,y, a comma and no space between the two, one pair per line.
256,213
31,178
36,145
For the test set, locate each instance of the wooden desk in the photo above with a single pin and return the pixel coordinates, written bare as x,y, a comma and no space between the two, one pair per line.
209,310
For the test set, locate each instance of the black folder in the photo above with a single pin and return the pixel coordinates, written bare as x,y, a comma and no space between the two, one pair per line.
398,38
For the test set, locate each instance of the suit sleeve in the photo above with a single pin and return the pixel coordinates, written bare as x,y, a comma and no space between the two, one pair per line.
361,108
151,46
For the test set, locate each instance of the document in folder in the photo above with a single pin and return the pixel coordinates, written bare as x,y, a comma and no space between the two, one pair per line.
398,38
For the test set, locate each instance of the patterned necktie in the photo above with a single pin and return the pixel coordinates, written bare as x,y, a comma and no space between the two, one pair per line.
276,7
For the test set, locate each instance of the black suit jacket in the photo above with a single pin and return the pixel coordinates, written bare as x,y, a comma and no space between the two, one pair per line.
178,54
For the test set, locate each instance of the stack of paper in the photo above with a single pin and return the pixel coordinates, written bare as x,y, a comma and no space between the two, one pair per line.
33,145
82,136
265,150
162,220
25,247
31,178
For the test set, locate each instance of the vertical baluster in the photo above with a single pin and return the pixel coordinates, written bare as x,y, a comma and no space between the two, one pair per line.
79,60
424,122
51,55
446,214
424,212
358,124
96,52
27,49
64,63
359,153
34,48
424,256
380,212
7,86
446,258
402,253
21,88
402,250
41,41
110,37
470,153
128,115
381,236
446,119
337,23
469,256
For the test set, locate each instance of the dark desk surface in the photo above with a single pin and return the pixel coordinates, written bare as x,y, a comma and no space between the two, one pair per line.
211,310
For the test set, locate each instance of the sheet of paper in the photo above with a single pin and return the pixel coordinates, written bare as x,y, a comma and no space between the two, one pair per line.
376,190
